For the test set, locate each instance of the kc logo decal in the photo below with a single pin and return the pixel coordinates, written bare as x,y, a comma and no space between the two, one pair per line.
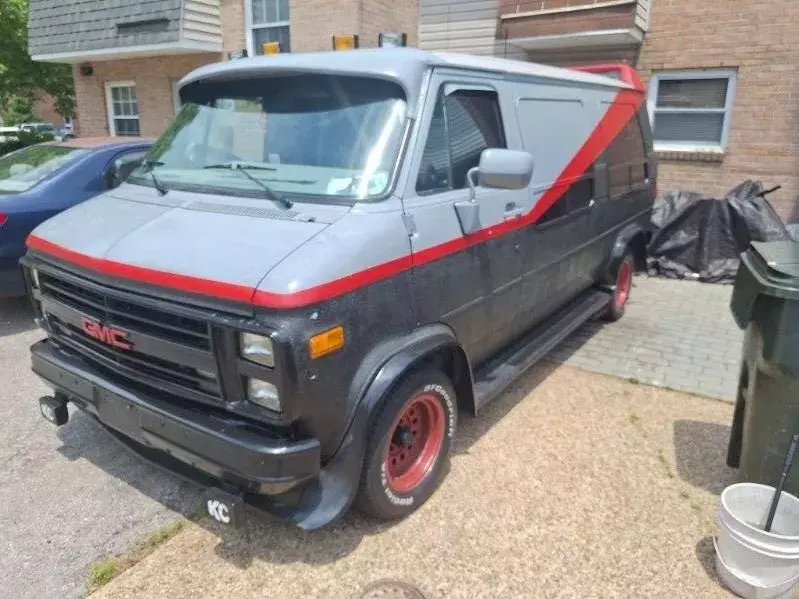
105,334
218,511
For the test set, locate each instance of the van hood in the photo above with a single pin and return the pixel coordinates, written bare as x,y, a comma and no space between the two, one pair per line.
234,242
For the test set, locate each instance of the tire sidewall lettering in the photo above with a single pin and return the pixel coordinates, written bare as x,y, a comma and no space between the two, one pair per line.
451,409
440,391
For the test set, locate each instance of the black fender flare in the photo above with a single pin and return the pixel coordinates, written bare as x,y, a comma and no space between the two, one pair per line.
623,241
329,496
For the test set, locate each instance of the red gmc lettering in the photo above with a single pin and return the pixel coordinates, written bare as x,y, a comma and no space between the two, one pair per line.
105,334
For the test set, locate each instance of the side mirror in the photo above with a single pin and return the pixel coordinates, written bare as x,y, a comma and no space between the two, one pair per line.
502,169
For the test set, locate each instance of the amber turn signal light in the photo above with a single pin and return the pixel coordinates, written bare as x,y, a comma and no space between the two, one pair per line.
324,343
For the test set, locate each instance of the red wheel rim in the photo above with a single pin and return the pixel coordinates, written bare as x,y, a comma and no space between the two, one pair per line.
416,440
624,281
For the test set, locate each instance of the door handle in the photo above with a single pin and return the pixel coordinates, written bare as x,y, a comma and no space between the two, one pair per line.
514,213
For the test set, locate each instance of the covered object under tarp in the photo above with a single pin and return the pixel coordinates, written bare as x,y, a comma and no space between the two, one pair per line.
701,238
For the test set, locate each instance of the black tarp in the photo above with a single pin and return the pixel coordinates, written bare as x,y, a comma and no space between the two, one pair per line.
701,238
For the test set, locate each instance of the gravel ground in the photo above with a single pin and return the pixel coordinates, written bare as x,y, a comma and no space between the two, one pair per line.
572,484
68,496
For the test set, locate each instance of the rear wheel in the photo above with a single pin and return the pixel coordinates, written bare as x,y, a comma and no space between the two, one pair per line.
409,445
622,288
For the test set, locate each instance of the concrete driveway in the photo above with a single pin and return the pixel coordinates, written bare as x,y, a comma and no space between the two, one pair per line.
68,496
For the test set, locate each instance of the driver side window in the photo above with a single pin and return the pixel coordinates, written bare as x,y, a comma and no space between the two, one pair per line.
464,123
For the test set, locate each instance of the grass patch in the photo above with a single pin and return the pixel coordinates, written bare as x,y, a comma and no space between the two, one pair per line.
685,495
633,381
634,418
105,570
164,534
101,572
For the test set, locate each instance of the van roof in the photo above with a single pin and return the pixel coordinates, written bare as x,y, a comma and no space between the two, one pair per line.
405,66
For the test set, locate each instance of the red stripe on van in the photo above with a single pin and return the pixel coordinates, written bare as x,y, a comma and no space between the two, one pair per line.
621,110
230,291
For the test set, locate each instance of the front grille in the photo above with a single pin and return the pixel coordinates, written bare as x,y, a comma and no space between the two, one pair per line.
127,314
185,339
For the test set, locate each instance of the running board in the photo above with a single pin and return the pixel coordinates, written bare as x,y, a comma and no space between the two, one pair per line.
493,377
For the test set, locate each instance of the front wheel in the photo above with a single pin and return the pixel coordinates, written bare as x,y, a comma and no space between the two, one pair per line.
622,288
409,444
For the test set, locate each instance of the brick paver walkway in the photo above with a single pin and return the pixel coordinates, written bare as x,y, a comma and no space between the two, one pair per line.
677,334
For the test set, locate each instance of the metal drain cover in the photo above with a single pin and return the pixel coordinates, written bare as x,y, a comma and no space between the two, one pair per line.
391,589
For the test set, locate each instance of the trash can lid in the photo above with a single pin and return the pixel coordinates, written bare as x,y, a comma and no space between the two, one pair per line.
781,257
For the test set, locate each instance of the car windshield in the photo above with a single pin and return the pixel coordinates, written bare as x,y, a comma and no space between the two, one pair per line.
21,170
314,136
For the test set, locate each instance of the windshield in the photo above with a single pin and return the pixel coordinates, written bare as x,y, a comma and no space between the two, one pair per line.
312,136
21,170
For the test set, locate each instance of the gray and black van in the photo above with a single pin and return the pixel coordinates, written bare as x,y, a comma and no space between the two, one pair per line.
327,257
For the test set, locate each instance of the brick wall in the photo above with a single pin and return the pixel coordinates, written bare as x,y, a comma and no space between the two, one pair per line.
314,22
153,78
232,16
388,15
758,37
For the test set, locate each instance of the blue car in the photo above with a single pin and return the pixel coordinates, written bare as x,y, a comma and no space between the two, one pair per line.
40,181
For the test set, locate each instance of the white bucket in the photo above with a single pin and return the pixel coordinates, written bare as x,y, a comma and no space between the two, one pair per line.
753,563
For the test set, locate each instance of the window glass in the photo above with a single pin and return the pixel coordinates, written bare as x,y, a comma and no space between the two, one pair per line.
690,110
270,23
464,123
122,166
626,157
304,135
123,107
21,170
434,168
692,93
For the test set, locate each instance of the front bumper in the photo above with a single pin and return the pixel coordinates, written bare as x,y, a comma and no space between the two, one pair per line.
236,454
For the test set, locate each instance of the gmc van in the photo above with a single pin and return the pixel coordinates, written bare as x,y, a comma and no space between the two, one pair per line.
327,257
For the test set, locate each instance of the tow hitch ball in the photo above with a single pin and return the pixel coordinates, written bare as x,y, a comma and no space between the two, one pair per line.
54,409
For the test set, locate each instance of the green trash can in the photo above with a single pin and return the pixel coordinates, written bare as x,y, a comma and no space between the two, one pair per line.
765,303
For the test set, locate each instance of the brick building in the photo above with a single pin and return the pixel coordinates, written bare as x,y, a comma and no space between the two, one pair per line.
723,76
127,56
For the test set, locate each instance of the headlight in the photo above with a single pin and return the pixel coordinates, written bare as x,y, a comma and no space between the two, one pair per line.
264,394
35,277
257,348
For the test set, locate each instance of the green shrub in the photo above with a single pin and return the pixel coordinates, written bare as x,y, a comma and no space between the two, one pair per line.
24,139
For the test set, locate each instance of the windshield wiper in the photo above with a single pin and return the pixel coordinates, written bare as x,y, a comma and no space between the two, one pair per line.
270,193
150,164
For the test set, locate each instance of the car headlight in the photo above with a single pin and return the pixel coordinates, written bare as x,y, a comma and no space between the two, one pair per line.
264,394
257,348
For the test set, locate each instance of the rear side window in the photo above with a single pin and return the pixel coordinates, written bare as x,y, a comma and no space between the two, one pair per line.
464,123
627,158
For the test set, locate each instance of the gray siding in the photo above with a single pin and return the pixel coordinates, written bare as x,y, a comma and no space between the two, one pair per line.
201,21
468,26
74,26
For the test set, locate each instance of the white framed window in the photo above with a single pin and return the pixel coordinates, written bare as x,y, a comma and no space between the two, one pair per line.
691,110
123,108
267,21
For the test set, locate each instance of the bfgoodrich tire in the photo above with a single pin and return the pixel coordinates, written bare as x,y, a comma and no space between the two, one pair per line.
409,444
621,289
